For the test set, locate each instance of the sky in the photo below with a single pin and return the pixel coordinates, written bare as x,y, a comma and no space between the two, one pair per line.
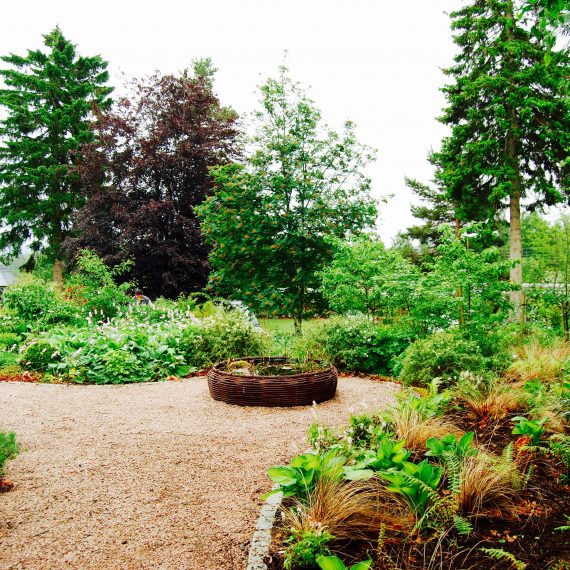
375,62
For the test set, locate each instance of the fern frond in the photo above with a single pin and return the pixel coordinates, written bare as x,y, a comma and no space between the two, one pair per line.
462,526
500,554
453,466
412,480
508,453
564,528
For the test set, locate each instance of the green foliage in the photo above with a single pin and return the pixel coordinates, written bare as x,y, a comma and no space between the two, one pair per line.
10,323
442,355
531,428
36,305
8,449
547,266
509,118
92,286
417,483
386,454
503,556
305,547
49,99
269,222
37,355
335,563
9,362
365,278
450,445
219,337
9,340
300,477
355,343
30,298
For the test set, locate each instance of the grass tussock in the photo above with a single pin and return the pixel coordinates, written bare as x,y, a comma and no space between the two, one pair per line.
350,510
412,426
490,397
538,362
489,484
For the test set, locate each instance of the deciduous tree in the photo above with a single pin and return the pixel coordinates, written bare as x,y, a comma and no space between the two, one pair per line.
268,221
146,175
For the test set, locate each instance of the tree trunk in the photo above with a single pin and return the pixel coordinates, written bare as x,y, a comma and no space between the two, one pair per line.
565,310
515,254
512,156
58,273
297,321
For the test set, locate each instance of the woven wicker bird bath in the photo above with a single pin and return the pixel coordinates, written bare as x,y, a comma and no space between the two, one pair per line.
276,383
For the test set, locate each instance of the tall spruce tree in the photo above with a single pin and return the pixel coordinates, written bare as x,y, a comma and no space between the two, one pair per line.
509,117
49,98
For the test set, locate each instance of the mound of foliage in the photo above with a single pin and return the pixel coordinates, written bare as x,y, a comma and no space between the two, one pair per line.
448,476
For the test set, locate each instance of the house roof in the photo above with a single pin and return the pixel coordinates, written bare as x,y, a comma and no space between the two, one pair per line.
6,276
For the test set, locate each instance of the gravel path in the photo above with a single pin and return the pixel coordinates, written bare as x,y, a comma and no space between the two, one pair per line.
149,475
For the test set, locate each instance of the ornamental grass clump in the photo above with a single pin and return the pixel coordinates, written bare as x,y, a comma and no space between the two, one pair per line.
349,510
537,361
488,397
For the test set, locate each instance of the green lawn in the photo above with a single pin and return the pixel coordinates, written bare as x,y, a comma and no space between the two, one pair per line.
286,325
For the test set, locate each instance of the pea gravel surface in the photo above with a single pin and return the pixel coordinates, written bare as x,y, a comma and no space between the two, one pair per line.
147,475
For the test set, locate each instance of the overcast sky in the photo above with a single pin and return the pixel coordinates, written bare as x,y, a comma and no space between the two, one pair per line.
375,62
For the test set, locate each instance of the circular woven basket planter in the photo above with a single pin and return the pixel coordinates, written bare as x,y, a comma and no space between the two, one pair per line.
290,390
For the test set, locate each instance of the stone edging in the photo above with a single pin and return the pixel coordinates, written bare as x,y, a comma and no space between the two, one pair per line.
261,540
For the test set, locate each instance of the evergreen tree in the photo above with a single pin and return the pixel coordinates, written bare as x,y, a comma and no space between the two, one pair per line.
509,117
49,98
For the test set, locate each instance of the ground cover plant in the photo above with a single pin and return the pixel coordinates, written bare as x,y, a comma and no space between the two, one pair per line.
434,481
8,450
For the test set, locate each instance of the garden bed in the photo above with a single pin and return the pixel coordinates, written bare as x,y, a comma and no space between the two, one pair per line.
519,521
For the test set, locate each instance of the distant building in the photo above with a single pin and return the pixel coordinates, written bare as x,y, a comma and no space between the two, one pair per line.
6,276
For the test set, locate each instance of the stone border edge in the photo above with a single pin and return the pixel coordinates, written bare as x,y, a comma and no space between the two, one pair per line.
261,540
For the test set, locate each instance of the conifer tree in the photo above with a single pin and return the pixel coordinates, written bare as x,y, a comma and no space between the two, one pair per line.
509,115
49,98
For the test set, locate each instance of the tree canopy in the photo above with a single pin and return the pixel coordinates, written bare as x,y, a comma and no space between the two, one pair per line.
268,220
509,116
147,172
49,97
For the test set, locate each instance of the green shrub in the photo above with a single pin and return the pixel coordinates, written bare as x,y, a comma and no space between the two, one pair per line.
9,340
8,449
92,287
224,335
37,355
441,355
30,298
120,366
9,362
34,303
358,344
10,323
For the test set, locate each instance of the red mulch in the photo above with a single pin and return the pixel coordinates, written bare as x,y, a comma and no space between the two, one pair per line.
21,377
6,486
